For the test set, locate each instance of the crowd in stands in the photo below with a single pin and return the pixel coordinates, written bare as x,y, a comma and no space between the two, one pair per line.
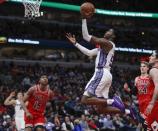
61,55
65,112
129,33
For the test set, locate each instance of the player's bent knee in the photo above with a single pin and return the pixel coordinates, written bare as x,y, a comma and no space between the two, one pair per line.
39,128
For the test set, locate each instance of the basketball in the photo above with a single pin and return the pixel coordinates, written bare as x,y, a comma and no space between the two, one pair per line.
87,9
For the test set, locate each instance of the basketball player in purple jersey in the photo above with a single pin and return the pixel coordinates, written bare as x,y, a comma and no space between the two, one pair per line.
97,89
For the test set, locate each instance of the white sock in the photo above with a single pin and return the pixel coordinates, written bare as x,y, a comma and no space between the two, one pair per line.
110,101
127,111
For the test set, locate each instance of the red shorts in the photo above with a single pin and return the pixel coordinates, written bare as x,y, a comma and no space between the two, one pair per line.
152,119
38,119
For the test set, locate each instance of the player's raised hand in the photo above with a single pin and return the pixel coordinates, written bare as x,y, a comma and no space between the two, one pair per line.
71,38
85,15
12,94
87,10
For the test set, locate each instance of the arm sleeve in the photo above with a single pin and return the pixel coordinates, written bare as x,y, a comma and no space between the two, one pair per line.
86,51
85,33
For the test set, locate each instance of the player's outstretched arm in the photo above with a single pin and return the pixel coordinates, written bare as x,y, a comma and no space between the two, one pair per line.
25,109
84,50
154,75
9,100
85,33
26,97
106,44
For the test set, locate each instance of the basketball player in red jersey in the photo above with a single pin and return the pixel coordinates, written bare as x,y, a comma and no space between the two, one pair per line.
37,97
152,108
144,90
144,86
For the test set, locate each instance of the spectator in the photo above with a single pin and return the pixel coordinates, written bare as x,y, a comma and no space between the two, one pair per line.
49,125
67,125
83,123
77,126
109,123
68,90
26,82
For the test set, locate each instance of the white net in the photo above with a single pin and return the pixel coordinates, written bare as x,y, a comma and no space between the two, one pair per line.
32,8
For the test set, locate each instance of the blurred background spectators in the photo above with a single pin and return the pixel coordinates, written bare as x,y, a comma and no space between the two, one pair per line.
69,70
65,112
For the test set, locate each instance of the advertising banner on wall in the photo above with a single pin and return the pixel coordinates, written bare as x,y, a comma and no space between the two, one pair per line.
63,44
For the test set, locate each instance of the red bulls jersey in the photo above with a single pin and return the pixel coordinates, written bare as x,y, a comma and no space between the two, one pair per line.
38,99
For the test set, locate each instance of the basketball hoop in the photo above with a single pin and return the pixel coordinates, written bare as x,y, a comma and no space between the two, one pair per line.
32,8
